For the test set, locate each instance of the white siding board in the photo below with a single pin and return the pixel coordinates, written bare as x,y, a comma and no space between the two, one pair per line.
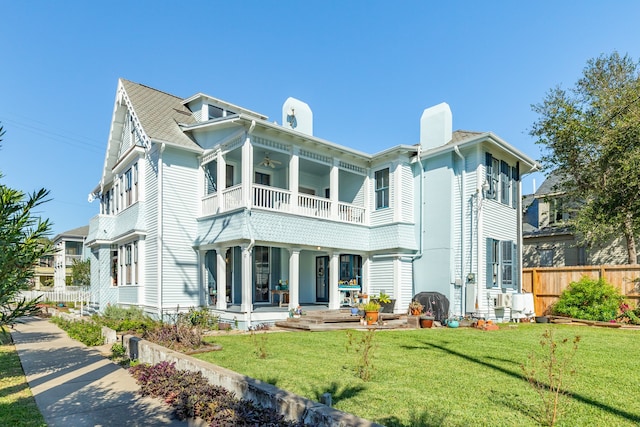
406,201
180,207
381,276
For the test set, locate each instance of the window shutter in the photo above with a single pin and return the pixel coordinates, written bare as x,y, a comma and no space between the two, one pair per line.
516,266
490,260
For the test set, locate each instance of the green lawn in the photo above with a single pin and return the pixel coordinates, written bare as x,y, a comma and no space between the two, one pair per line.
448,377
17,405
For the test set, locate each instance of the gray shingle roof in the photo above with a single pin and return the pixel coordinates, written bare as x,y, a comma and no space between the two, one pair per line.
159,113
550,185
461,135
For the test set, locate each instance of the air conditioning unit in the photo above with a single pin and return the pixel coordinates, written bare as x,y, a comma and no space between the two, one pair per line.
502,301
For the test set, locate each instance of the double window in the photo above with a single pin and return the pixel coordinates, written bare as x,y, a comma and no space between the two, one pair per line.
501,264
382,188
125,266
502,179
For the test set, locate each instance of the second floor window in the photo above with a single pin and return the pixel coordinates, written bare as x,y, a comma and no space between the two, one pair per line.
382,188
502,181
129,187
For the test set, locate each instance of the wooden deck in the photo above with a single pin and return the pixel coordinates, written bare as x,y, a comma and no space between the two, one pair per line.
332,320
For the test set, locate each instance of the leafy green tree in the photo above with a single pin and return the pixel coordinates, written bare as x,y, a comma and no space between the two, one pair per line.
81,273
21,247
591,138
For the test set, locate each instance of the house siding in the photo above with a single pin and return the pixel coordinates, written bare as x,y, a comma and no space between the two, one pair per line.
406,201
381,276
180,198
151,219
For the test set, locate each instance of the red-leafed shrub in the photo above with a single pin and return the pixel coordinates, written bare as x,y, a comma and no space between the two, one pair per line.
192,396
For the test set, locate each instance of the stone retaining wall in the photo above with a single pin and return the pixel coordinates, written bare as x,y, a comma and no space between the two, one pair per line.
291,406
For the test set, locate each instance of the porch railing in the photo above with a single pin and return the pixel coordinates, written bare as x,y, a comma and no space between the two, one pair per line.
315,206
232,197
351,213
278,199
210,204
271,198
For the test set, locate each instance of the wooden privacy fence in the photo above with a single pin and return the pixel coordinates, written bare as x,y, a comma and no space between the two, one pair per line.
547,283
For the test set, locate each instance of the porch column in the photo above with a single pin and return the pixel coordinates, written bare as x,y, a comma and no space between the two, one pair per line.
221,180
334,269
294,277
366,260
204,282
247,281
247,172
294,178
221,278
334,190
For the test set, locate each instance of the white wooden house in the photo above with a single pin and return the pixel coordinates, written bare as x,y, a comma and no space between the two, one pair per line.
206,203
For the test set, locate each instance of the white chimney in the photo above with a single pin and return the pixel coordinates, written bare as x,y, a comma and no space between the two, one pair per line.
297,115
436,126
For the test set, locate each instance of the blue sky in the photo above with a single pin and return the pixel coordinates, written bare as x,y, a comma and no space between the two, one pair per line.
367,69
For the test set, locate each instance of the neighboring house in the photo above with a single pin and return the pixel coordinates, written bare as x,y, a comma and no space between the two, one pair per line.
68,247
43,273
205,203
548,239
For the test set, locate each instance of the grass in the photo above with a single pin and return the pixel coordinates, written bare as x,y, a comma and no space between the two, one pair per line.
448,377
17,405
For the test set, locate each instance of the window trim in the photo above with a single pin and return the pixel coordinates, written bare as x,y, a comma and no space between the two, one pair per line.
382,196
502,273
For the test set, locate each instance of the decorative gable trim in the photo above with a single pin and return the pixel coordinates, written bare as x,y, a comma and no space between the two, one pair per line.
123,98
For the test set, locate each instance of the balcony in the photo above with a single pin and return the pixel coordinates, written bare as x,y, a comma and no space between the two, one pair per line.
280,200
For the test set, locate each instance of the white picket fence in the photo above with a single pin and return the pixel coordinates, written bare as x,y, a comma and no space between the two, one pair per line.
80,297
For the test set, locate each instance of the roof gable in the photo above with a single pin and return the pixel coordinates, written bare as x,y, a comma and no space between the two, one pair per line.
159,114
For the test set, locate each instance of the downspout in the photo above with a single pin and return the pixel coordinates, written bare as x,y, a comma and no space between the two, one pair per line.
248,210
247,214
420,218
160,231
463,236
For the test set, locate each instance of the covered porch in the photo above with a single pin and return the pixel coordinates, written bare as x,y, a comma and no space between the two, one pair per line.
265,282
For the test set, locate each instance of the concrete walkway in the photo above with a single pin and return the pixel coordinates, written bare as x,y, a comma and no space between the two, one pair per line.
75,385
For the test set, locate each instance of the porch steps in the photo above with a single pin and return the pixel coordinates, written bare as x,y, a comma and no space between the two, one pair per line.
332,320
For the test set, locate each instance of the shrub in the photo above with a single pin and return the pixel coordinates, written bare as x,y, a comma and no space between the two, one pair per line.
118,351
177,336
88,333
629,315
589,299
202,318
125,319
192,396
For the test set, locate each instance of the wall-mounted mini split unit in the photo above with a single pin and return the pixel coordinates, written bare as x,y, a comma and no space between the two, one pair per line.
502,301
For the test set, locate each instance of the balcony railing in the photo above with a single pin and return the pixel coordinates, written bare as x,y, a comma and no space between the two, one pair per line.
271,198
318,207
279,200
232,197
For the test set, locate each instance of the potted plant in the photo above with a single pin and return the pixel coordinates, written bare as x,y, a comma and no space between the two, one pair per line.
415,308
426,319
296,312
371,312
386,302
